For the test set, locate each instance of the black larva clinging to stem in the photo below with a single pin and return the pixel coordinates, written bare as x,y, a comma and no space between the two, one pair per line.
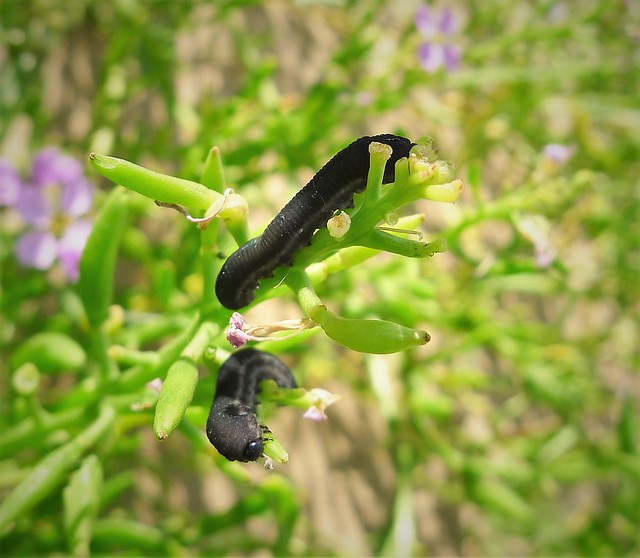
232,426
332,188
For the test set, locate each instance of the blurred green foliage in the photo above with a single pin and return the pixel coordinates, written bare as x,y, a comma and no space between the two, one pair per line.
515,431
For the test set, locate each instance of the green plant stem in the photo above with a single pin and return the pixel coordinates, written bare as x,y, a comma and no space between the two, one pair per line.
51,470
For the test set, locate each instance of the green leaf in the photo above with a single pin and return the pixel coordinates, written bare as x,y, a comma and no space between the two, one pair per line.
51,470
175,396
98,261
81,503
50,352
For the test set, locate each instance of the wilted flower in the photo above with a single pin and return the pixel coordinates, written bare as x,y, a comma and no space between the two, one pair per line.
439,28
235,333
240,332
52,202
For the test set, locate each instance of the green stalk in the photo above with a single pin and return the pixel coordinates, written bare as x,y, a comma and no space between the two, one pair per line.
50,472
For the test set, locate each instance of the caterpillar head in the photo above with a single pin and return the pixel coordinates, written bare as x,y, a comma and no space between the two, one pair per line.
234,431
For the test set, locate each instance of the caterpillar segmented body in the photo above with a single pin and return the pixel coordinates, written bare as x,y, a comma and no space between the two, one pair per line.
232,426
332,188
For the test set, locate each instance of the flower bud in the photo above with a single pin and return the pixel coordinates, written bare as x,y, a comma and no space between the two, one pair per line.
339,225
448,192
274,450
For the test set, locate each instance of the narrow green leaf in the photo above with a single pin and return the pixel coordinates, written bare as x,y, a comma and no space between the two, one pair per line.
175,396
51,352
81,503
51,470
98,261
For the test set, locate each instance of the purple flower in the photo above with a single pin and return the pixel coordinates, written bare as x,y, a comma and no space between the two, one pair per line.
314,414
439,28
9,183
537,230
52,202
319,400
558,153
236,334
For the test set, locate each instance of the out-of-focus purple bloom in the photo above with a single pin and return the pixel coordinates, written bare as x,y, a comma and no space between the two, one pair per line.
319,399
9,183
439,29
155,385
558,153
52,202
314,414
537,230
364,98
70,247
51,167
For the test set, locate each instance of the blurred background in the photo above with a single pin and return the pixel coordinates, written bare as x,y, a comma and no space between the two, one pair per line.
515,430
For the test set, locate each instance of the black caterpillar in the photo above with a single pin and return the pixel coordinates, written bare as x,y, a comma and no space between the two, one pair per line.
232,426
331,189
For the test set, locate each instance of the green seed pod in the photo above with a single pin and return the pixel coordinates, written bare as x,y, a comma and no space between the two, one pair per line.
51,470
175,396
98,261
50,352
368,336
161,187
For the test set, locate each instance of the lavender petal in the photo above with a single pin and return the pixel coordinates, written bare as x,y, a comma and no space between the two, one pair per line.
448,23
425,21
451,56
50,166
37,250
431,56
76,199
71,246
34,206
10,183
558,153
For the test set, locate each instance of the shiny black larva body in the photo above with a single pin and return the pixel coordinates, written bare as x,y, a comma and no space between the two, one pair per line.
232,426
332,188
